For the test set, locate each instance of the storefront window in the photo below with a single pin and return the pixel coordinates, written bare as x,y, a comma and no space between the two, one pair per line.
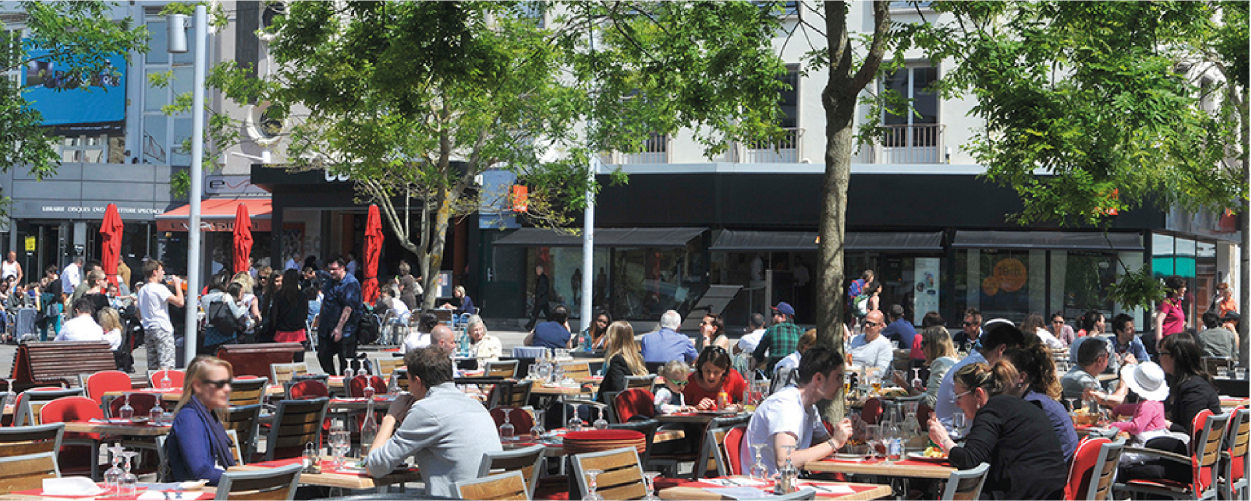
647,282
998,282
1080,282
563,266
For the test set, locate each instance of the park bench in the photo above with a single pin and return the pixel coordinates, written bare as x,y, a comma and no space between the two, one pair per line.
40,363
255,359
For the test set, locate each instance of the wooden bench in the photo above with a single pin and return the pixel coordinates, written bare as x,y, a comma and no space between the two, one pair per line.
255,359
40,363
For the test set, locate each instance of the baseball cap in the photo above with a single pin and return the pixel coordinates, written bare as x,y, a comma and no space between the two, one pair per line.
784,309
1232,315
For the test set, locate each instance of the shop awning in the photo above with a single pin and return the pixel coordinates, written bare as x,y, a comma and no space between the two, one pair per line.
604,237
806,241
1069,240
218,214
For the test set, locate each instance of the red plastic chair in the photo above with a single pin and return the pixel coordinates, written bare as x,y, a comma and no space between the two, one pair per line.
142,403
176,378
308,390
1205,451
520,418
356,385
105,381
1084,460
78,450
872,411
634,403
733,448
1234,467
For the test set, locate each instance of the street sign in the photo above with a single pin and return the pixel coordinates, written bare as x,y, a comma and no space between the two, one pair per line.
30,244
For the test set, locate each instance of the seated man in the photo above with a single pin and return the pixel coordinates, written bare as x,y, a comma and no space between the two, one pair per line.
443,429
1092,359
668,344
790,416
83,326
872,349
554,333
1215,339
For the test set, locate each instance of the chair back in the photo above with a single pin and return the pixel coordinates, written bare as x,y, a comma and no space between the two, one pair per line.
71,410
634,403
142,403
510,394
26,472
645,426
731,446
712,444
105,381
508,485
282,373
577,371
308,389
1093,469
176,377
29,403
872,411
249,391
245,420
502,368
23,440
1209,432
386,365
519,417
295,423
272,483
356,385
527,461
641,382
1235,465
622,476
966,484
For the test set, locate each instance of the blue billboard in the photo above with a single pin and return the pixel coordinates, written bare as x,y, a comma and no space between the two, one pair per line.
64,99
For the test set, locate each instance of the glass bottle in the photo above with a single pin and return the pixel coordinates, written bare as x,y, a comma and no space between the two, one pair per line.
369,429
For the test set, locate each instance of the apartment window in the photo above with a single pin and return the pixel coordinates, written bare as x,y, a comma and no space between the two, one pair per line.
83,148
164,135
788,98
781,8
918,125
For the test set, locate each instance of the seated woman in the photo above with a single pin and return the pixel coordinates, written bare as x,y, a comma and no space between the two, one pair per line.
1012,435
940,355
197,446
1038,383
483,346
623,359
712,376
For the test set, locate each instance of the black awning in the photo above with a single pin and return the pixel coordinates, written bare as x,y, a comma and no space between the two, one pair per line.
1070,240
806,241
604,237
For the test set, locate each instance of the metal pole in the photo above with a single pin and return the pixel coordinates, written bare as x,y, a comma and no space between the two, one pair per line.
197,159
588,225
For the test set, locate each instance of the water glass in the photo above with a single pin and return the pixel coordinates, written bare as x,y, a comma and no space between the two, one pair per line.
1222,371
957,425
1241,373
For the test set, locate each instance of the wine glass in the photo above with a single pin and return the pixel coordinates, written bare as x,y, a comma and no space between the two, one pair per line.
600,423
873,437
649,480
957,425
575,423
536,431
591,495
155,414
113,477
917,383
11,399
759,470
166,382
126,411
129,482
339,440
507,430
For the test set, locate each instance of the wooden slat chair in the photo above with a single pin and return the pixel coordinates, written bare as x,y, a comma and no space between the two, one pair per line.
645,426
295,423
31,401
245,420
236,448
577,371
25,472
502,368
966,484
23,440
281,373
622,476
509,485
274,483
386,365
1205,447
247,391
641,382
509,394
528,461
1235,469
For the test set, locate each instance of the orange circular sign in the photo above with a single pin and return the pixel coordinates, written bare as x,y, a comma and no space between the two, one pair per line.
1012,274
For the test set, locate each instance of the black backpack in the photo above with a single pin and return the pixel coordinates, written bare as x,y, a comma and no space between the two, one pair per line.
224,320
368,329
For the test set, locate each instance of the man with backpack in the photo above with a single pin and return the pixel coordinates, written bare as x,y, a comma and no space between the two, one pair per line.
857,300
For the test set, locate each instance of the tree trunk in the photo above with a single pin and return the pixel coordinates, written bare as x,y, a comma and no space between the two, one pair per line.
434,253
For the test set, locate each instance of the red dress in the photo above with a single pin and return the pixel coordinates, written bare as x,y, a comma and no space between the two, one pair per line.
732,383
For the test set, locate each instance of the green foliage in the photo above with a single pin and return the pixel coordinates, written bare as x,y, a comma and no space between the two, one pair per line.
1138,289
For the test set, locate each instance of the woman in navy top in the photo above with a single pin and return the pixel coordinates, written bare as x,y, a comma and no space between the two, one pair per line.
198,447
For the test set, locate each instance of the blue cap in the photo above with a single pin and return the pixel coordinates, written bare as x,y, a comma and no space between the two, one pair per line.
784,309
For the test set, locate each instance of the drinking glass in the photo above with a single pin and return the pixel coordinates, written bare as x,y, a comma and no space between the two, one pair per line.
649,480
875,382
957,425
591,495
129,482
600,423
873,437
11,399
155,415
166,382
537,431
113,477
1222,371
1240,372
126,411
575,423
507,430
759,471
340,440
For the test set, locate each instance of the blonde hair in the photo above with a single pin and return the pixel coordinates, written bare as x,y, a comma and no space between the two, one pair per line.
998,379
674,369
109,319
621,341
808,340
245,279
195,372
936,343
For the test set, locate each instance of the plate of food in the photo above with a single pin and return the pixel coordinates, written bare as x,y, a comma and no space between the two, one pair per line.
1083,417
931,455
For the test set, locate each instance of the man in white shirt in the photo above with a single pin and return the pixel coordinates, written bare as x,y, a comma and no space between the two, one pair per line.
72,274
748,342
872,349
790,418
82,327
157,327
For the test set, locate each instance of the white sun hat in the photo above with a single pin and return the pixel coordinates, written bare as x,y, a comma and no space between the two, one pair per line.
1147,380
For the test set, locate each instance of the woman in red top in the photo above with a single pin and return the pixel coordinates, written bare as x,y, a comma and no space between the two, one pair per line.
713,375
1170,317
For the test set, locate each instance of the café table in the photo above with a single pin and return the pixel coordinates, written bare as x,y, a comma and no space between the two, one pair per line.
117,428
545,390
700,489
1231,402
908,468
347,478
206,492
696,417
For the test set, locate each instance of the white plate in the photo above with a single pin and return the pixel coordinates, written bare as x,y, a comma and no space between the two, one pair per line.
193,485
919,456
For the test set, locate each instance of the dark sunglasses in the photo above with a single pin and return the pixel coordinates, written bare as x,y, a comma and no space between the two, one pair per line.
219,384
966,324
872,324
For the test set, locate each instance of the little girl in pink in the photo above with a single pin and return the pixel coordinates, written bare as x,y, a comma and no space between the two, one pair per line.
1147,381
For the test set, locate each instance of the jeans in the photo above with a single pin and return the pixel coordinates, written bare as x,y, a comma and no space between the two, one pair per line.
327,348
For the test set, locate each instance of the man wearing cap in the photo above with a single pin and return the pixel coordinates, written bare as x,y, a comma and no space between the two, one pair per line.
900,331
872,349
1216,340
781,339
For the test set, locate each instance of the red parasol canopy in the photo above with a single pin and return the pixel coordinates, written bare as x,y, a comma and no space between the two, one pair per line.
111,234
373,249
243,238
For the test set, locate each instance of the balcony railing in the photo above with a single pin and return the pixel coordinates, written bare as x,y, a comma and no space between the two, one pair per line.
906,144
785,150
655,151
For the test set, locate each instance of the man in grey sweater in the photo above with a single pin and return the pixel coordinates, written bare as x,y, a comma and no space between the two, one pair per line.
443,429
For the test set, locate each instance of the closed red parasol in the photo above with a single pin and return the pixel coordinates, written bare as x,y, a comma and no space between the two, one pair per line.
111,234
243,238
373,250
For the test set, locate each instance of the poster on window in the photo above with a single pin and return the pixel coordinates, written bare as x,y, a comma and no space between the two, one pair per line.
1006,286
925,284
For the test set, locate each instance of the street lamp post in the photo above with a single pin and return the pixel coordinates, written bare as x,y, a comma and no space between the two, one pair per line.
177,30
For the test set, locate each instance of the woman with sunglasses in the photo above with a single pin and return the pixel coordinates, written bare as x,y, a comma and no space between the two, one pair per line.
1061,329
712,376
197,446
940,355
712,333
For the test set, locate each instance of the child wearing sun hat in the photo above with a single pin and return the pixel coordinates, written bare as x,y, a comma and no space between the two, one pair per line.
1147,381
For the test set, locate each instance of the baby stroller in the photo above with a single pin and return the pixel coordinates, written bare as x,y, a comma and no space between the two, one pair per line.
394,328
